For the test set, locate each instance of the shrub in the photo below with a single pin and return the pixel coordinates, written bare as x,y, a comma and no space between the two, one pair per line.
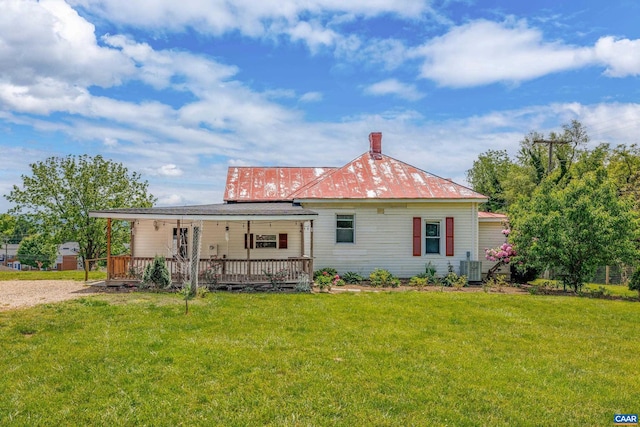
452,279
352,278
329,270
418,282
303,284
325,280
384,278
202,292
156,274
276,279
634,282
497,283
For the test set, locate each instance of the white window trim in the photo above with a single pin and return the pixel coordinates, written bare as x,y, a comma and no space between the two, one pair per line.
275,240
335,225
424,236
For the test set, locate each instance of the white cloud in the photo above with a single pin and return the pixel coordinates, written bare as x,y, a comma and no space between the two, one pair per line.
312,22
49,40
169,170
396,88
110,142
621,57
311,97
484,52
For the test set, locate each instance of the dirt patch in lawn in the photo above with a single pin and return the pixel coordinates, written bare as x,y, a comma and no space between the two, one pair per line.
27,293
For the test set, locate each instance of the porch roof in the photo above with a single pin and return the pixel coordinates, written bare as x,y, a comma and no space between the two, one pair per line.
216,212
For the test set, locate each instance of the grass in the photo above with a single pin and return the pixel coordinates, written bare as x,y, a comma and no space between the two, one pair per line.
614,290
51,275
406,358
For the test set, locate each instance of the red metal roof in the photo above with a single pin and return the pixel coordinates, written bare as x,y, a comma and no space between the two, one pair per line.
268,184
373,175
383,177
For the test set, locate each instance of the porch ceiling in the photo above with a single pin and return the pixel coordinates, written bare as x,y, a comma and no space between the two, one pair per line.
214,212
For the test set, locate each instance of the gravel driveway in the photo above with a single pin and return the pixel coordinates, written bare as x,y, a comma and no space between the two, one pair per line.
27,293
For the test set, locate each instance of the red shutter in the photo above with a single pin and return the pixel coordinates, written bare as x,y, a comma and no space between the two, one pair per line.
417,236
282,241
449,240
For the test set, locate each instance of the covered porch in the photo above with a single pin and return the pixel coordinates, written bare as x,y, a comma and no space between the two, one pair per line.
236,244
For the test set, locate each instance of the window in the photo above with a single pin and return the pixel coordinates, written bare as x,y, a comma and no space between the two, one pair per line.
266,241
432,237
180,242
262,241
345,227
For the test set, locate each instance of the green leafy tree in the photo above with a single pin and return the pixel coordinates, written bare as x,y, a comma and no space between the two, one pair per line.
624,168
24,226
488,175
37,251
575,225
61,191
7,228
634,282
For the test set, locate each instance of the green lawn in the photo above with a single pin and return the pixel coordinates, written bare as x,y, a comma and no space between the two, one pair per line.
613,290
51,275
402,358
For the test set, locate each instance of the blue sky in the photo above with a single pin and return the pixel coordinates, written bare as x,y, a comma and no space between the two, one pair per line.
181,90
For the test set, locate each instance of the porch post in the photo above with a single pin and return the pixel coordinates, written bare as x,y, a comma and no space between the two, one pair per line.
248,240
301,239
311,248
178,253
109,262
132,237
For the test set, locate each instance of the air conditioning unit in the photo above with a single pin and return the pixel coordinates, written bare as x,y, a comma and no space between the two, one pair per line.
471,269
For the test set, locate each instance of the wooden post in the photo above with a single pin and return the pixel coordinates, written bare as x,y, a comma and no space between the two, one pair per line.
606,274
132,237
248,248
311,248
109,262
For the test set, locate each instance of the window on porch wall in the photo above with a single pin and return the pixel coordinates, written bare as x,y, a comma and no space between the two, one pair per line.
273,241
180,242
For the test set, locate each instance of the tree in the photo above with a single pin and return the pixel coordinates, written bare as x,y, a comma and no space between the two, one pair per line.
61,191
7,227
576,224
37,251
487,176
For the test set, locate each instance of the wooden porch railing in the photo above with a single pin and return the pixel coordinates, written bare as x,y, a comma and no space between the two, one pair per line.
221,271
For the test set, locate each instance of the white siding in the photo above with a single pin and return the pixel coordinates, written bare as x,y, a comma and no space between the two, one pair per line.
384,236
149,242
490,236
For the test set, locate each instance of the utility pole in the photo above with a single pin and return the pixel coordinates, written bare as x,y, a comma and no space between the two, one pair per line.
550,143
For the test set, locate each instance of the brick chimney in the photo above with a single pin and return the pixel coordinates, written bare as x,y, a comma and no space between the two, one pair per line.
375,145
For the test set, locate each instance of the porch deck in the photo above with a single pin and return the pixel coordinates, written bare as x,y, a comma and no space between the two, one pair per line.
225,273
